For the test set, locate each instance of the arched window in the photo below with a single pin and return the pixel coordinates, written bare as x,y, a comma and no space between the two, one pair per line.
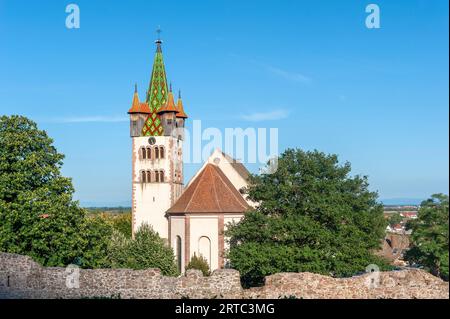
161,152
144,154
204,248
156,176
156,152
149,176
143,177
161,176
149,153
178,252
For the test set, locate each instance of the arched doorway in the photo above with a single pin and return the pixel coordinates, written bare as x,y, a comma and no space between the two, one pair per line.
204,249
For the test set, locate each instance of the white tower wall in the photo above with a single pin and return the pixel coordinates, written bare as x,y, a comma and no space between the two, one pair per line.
151,200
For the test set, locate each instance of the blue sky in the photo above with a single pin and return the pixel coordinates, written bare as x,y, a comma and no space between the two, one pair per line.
376,97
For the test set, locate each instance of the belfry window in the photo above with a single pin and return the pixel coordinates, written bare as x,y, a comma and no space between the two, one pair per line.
144,153
149,176
143,177
161,176
156,152
156,176
161,152
149,153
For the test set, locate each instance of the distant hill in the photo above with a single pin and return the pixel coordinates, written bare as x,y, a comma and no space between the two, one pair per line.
402,201
108,210
126,204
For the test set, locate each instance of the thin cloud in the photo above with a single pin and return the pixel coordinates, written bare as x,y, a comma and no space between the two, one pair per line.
291,76
288,75
265,116
91,119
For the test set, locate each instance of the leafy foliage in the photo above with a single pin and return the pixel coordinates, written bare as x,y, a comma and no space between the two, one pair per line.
122,223
146,250
37,215
96,235
429,239
312,216
199,263
119,221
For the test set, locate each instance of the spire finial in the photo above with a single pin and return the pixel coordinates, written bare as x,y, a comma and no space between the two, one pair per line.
170,87
135,87
179,94
158,40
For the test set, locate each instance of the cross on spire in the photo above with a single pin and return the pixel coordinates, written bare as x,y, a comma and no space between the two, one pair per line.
158,40
158,31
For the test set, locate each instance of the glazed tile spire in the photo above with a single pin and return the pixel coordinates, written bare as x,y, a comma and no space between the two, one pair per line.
156,94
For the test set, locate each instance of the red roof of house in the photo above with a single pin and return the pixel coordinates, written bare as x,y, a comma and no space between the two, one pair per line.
210,192
408,214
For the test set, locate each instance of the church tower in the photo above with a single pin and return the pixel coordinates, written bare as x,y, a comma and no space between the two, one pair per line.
156,129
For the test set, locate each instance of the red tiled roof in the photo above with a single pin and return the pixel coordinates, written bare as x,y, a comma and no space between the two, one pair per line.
210,192
138,107
181,113
407,214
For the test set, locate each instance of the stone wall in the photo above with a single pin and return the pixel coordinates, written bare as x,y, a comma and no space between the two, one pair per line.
21,277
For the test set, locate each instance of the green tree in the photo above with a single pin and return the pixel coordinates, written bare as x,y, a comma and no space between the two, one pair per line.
199,263
429,238
395,219
37,215
122,222
146,250
312,216
97,233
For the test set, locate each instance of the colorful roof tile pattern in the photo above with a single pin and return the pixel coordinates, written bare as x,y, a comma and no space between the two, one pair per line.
156,95
153,125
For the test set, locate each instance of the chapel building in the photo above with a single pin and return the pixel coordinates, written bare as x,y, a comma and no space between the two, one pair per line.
193,218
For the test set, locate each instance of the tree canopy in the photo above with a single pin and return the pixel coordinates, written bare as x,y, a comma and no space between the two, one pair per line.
312,216
37,214
429,238
146,250
199,263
